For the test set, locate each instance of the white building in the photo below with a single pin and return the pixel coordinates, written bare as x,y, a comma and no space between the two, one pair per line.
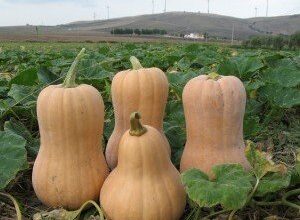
194,36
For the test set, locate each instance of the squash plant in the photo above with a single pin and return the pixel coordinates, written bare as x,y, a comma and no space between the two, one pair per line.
234,188
271,79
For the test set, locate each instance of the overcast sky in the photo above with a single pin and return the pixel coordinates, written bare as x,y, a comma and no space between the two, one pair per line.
52,12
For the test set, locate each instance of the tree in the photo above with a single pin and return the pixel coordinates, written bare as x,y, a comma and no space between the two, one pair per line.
255,42
137,31
278,42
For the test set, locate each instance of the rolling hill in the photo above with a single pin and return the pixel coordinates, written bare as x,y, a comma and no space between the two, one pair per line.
173,22
187,22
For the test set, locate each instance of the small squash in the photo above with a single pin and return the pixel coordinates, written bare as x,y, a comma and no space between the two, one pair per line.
70,167
214,107
141,89
145,185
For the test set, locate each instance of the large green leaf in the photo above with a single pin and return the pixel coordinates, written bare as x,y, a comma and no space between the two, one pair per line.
46,76
273,182
23,94
17,127
280,96
27,77
286,76
230,187
242,67
13,156
248,66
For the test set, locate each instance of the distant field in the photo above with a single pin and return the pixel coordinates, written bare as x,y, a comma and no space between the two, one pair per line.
49,34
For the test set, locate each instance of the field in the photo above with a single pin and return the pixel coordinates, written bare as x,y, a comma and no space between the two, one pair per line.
272,118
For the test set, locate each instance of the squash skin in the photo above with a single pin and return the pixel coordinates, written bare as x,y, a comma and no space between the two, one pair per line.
214,111
70,167
145,185
144,90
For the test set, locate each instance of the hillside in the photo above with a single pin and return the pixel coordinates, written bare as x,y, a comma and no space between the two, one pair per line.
277,25
186,22
173,22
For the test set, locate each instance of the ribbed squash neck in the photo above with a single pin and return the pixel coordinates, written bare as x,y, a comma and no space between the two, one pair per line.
136,128
214,76
136,65
69,81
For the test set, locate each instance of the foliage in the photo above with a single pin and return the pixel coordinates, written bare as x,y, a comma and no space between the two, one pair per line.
276,42
271,80
229,188
233,188
138,31
12,156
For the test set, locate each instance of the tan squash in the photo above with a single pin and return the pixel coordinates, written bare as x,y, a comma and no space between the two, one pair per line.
70,167
141,89
214,107
145,185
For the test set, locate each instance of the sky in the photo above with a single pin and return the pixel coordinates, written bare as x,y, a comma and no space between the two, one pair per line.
53,12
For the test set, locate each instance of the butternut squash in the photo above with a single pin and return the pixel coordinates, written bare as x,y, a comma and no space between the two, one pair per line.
145,185
70,167
141,89
214,107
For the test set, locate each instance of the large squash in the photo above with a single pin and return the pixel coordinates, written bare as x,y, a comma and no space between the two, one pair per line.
141,89
214,107
70,167
145,185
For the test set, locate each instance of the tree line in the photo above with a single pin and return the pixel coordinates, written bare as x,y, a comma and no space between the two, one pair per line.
277,42
138,31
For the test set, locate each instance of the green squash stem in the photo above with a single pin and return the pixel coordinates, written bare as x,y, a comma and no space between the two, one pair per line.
136,128
69,81
136,65
214,76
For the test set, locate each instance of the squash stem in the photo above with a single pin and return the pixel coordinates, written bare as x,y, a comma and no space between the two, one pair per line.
136,128
71,75
214,76
136,65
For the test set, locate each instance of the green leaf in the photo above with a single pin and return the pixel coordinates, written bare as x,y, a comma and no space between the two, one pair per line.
251,126
230,187
286,76
273,182
5,105
17,127
248,66
253,85
23,94
46,76
227,68
3,91
13,156
242,67
261,162
26,78
280,96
